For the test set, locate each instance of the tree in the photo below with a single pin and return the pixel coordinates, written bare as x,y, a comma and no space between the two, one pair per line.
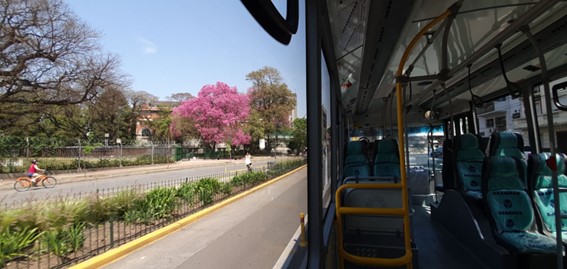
182,128
109,115
159,122
180,97
138,101
271,103
298,140
47,56
218,112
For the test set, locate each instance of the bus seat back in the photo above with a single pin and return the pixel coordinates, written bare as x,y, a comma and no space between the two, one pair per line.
540,179
469,159
357,166
509,144
510,208
387,159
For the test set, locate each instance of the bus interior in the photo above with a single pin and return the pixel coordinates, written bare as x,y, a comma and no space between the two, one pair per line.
436,132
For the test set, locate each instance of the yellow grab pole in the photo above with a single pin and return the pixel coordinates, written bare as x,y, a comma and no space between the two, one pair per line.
407,258
401,131
303,242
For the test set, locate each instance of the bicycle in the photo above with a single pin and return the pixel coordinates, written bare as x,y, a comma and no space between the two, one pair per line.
24,183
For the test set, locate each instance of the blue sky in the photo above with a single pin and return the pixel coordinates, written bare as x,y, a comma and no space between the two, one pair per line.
168,47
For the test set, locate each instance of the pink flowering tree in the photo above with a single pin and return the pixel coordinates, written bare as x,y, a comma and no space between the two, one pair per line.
219,113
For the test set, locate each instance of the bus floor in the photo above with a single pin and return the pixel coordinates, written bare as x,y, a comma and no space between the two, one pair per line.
249,233
437,248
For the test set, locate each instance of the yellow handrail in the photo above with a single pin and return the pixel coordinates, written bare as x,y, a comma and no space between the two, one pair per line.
406,259
402,212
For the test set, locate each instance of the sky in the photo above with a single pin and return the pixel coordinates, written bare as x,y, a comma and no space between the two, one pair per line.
168,47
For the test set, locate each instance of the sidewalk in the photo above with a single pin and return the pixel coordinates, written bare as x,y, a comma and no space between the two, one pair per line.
93,174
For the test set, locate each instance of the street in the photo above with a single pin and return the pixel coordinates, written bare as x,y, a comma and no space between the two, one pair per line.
77,184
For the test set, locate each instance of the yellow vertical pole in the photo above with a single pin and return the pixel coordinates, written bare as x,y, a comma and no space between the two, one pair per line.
303,242
401,131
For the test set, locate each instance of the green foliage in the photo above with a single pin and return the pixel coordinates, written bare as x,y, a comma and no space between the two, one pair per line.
10,144
14,241
271,102
58,214
90,148
226,188
187,192
248,179
158,203
206,188
62,241
22,217
111,208
284,167
298,141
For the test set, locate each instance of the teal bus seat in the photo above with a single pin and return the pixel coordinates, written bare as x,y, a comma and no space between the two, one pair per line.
540,179
509,207
469,159
387,159
355,148
509,144
356,164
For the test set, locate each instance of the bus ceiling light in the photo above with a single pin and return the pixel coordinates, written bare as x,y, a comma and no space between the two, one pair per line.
430,115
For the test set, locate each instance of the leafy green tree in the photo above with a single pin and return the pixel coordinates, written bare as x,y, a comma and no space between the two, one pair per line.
183,128
271,104
70,121
298,140
109,115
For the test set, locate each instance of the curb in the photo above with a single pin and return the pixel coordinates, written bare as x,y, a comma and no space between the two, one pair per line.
120,252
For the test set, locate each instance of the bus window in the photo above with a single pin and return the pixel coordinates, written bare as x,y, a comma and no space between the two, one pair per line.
326,133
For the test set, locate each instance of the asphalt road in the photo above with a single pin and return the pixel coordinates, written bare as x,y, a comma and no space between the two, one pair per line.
79,184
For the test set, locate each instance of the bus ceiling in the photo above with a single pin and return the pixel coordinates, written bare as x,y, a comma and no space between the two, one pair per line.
367,62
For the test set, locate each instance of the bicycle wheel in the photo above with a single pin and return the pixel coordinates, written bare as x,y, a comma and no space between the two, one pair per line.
22,184
49,182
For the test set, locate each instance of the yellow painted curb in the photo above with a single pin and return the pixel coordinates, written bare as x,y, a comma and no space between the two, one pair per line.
121,251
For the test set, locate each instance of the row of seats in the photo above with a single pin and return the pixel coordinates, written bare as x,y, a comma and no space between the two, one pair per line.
386,159
509,186
469,157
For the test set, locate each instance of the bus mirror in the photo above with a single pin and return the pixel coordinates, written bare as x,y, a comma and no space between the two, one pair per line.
555,90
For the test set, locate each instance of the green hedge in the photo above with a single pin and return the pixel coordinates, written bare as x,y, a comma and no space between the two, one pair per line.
54,165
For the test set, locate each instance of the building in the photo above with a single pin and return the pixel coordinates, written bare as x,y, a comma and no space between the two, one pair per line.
508,114
149,114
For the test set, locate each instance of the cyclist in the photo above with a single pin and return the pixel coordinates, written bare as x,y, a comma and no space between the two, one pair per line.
248,161
32,171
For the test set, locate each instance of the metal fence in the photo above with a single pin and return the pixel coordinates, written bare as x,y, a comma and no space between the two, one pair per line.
68,158
97,238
